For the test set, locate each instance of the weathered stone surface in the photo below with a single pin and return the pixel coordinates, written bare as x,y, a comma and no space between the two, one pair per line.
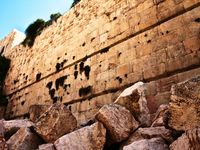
23,139
48,146
118,121
88,138
12,126
153,132
134,99
188,141
161,116
147,144
185,105
36,111
55,122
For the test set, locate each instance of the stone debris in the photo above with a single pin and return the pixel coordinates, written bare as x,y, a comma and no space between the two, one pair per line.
36,111
118,121
88,138
184,108
134,99
147,144
188,141
55,122
24,139
48,146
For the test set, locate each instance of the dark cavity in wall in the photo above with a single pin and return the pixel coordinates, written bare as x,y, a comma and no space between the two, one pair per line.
119,79
75,74
52,93
38,76
60,81
197,20
55,99
57,67
85,91
105,50
49,85
81,67
87,71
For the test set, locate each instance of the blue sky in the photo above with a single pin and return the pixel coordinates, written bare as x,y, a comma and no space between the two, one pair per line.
19,14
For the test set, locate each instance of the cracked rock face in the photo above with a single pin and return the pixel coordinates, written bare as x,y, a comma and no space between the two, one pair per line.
88,138
134,99
188,141
118,121
184,112
55,122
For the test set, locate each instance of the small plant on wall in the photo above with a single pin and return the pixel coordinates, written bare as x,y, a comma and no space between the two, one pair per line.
75,2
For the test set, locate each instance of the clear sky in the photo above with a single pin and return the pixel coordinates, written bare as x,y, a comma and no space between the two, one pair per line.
18,14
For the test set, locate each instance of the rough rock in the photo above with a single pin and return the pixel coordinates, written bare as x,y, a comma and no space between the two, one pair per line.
118,121
88,138
184,109
36,111
134,99
188,141
12,126
24,139
55,122
160,118
147,144
48,146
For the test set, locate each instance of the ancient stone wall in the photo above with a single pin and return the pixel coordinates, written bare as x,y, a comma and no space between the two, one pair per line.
102,46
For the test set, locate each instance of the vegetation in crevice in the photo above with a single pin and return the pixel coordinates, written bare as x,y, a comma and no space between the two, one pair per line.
75,2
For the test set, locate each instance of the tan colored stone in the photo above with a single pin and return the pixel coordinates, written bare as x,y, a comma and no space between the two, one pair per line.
87,138
48,146
118,121
55,122
134,99
185,104
36,111
188,141
23,139
150,144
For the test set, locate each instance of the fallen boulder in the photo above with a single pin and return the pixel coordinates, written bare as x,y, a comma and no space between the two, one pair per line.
147,144
36,111
88,138
184,108
55,122
188,141
24,139
118,121
134,99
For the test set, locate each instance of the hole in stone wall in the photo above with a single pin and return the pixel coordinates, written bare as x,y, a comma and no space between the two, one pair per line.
52,93
87,71
119,79
22,103
197,20
73,57
85,91
149,41
105,50
49,85
81,67
57,66
75,67
83,44
38,76
114,18
75,74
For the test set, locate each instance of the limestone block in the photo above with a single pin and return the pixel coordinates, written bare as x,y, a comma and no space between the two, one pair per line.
118,121
134,99
87,138
184,108
55,122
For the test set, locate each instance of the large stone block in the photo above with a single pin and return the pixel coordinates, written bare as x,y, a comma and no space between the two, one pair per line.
147,144
87,138
188,141
55,122
24,139
184,109
134,99
118,121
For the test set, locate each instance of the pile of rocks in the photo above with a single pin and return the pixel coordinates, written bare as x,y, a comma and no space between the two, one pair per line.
126,124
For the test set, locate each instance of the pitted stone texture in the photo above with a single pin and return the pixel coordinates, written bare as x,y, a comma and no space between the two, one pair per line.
36,111
12,126
118,121
23,139
55,122
48,146
147,144
88,138
184,109
188,141
134,99
160,118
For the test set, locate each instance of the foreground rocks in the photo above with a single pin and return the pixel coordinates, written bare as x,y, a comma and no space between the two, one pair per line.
188,141
55,122
134,99
185,105
88,138
24,139
118,121
147,144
